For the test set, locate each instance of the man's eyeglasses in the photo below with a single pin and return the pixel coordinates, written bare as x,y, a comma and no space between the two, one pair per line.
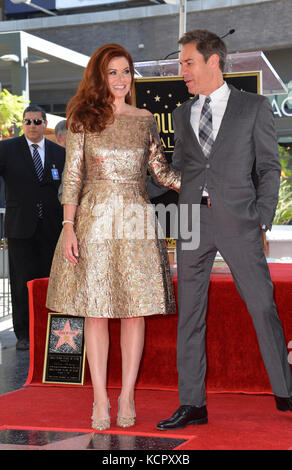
37,122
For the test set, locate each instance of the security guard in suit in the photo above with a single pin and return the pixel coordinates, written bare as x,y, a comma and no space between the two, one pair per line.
31,167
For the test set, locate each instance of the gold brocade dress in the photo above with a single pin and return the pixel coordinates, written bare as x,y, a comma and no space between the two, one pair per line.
123,269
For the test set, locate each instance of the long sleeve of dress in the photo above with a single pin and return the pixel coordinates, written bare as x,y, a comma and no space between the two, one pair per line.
123,267
74,168
158,166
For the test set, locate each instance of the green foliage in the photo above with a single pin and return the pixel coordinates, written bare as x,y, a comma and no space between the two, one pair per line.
11,111
284,207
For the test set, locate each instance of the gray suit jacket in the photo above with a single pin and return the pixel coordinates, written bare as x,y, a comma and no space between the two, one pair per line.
243,171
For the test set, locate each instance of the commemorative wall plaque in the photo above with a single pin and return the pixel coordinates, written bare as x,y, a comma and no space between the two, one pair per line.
65,350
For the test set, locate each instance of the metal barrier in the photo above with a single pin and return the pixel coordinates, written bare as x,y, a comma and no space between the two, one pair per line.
5,294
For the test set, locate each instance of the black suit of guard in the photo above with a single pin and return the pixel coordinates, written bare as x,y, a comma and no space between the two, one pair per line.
31,240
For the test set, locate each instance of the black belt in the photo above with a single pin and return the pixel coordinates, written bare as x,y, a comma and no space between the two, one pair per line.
206,201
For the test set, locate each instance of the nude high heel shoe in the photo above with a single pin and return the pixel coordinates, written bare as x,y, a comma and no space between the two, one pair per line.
126,421
100,424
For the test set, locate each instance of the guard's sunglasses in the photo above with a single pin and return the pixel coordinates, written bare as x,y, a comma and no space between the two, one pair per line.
37,122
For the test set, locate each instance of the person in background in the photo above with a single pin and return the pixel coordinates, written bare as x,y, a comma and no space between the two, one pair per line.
61,133
31,166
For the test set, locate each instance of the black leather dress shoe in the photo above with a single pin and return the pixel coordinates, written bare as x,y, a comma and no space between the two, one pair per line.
22,344
185,415
283,404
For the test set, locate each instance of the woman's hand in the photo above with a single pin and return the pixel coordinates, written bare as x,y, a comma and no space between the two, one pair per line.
70,246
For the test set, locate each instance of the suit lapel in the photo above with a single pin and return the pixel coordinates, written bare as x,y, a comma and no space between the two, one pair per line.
25,151
48,163
188,126
26,154
232,111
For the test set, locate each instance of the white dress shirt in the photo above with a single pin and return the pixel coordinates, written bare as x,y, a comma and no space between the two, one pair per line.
218,104
41,149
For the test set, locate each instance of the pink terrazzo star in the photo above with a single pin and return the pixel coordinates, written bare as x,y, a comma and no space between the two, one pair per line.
66,335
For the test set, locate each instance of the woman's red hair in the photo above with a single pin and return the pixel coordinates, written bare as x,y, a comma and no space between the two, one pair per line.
91,108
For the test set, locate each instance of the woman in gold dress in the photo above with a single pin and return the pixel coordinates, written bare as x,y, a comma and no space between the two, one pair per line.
108,262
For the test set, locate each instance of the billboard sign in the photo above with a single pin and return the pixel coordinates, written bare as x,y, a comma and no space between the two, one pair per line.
282,104
67,4
17,8
12,8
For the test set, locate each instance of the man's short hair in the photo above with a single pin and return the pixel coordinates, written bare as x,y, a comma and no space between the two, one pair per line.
207,43
37,109
61,128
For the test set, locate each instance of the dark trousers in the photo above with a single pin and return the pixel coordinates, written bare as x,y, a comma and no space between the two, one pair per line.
245,256
29,258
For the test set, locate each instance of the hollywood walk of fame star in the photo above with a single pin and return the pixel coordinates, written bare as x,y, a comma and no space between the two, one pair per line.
66,336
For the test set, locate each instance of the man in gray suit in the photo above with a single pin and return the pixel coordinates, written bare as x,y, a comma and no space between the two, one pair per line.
226,148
